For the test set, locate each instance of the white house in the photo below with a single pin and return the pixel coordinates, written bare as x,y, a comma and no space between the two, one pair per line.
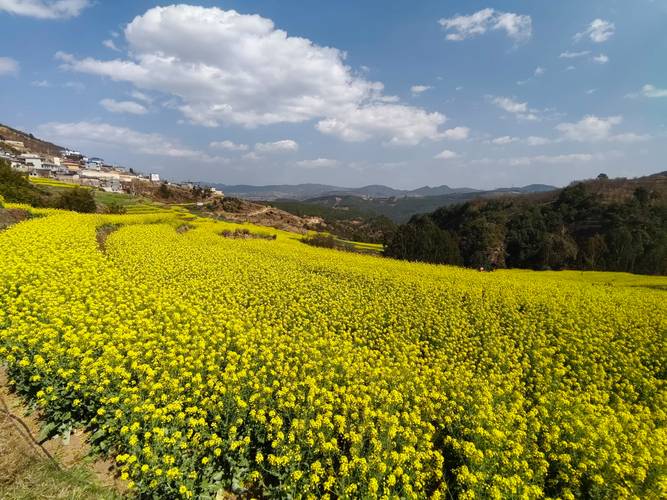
154,177
32,159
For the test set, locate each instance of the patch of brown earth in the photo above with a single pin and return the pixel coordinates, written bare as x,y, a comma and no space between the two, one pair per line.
11,216
19,446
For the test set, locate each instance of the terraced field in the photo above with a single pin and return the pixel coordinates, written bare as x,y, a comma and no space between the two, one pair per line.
268,367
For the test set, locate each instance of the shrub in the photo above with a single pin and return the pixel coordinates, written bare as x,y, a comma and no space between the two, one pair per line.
320,240
116,208
77,200
16,188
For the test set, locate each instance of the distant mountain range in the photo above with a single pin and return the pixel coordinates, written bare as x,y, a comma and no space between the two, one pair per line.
301,192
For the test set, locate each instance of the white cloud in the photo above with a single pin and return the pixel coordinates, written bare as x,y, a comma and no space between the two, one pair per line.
397,123
225,67
41,83
574,55
651,91
554,159
284,146
591,91
598,31
252,156
504,140
318,163
140,96
44,9
537,141
518,27
228,145
419,89
601,59
595,129
446,155
103,134
589,129
131,107
539,71
456,134
630,138
8,66
110,44
518,109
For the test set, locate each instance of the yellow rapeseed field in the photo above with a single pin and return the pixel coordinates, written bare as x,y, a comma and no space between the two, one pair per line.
271,368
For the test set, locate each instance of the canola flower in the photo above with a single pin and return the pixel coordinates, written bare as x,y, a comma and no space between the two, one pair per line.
203,363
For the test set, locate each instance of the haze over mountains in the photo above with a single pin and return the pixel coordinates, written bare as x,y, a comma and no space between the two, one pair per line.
308,191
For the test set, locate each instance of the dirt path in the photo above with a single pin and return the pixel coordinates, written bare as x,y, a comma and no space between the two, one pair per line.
63,464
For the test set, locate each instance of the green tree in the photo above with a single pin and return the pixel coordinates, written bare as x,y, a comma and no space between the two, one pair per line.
77,200
16,188
422,240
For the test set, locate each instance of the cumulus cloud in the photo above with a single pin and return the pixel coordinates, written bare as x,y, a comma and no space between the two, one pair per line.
539,71
228,145
44,9
8,66
517,27
456,134
104,134
589,129
574,55
131,107
518,109
419,89
446,155
110,44
140,96
284,146
396,123
537,141
595,129
231,68
529,141
504,140
598,31
601,59
651,91
318,163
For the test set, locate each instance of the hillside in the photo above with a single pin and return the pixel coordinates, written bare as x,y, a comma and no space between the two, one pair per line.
30,142
602,224
301,192
397,208
244,211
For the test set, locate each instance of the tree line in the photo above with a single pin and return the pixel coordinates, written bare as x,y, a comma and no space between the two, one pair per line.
16,188
578,229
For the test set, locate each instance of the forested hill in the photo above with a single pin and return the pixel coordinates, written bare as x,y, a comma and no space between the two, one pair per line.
603,224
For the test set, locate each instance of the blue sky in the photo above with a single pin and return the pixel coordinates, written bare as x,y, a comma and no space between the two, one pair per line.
465,93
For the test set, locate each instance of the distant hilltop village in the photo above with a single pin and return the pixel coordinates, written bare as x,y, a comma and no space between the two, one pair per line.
74,167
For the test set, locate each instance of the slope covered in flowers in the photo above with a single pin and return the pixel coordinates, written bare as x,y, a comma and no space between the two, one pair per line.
204,363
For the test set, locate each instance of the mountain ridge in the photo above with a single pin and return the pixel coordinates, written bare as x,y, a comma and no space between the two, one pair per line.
307,191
